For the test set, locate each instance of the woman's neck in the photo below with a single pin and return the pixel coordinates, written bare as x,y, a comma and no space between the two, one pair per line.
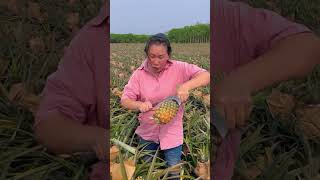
152,70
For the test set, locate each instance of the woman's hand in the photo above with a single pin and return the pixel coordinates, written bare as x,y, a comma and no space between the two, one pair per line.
99,145
137,105
183,93
202,79
145,106
232,100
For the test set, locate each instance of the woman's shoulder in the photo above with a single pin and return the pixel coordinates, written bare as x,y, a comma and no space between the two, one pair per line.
179,62
137,73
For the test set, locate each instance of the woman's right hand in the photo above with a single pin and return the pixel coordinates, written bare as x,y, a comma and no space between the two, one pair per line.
145,106
99,145
232,99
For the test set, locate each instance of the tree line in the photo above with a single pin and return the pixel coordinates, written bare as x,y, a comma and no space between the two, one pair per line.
199,33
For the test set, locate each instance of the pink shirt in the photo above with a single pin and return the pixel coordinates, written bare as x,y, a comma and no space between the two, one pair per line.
144,86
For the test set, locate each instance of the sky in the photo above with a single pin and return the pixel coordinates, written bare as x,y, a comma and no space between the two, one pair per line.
156,16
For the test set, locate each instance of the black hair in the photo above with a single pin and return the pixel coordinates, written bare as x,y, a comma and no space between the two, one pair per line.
159,38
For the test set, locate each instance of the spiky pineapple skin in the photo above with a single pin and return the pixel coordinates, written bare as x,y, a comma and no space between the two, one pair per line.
166,112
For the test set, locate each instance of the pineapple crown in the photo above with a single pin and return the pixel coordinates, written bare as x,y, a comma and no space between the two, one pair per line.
158,38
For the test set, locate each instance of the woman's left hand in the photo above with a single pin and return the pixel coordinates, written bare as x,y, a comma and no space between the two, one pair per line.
183,93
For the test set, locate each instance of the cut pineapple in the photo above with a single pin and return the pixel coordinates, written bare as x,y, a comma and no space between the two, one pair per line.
166,111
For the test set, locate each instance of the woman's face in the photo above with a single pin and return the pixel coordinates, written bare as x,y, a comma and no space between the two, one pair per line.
158,57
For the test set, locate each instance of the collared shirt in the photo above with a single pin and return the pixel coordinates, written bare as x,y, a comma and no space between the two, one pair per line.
144,86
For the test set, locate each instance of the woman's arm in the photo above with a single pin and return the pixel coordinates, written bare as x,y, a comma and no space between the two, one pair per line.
202,79
291,58
131,104
63,136
136,105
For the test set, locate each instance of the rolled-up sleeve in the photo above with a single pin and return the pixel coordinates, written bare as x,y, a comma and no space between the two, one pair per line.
70,89
261,29
131,89
191,70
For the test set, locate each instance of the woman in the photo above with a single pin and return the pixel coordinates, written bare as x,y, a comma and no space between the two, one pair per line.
158,77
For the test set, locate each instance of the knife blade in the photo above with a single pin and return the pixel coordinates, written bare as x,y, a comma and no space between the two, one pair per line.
220,123
174,98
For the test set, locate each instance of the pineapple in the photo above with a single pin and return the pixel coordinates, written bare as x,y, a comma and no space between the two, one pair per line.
166,111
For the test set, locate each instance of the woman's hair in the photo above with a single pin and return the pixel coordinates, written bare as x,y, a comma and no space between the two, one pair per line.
158,39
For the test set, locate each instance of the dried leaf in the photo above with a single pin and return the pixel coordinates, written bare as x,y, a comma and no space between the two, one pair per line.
202,170
34,10
120,65
115,170
18,93
309,117
72,20
114,152
122,75
197,94
208,168
206,99
36,45
280,104
112,62
117,92
132,68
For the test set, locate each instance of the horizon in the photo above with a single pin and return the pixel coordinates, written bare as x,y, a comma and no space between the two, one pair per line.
161,32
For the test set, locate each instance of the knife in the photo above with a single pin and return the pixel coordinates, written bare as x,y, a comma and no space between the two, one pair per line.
220,123
174,98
